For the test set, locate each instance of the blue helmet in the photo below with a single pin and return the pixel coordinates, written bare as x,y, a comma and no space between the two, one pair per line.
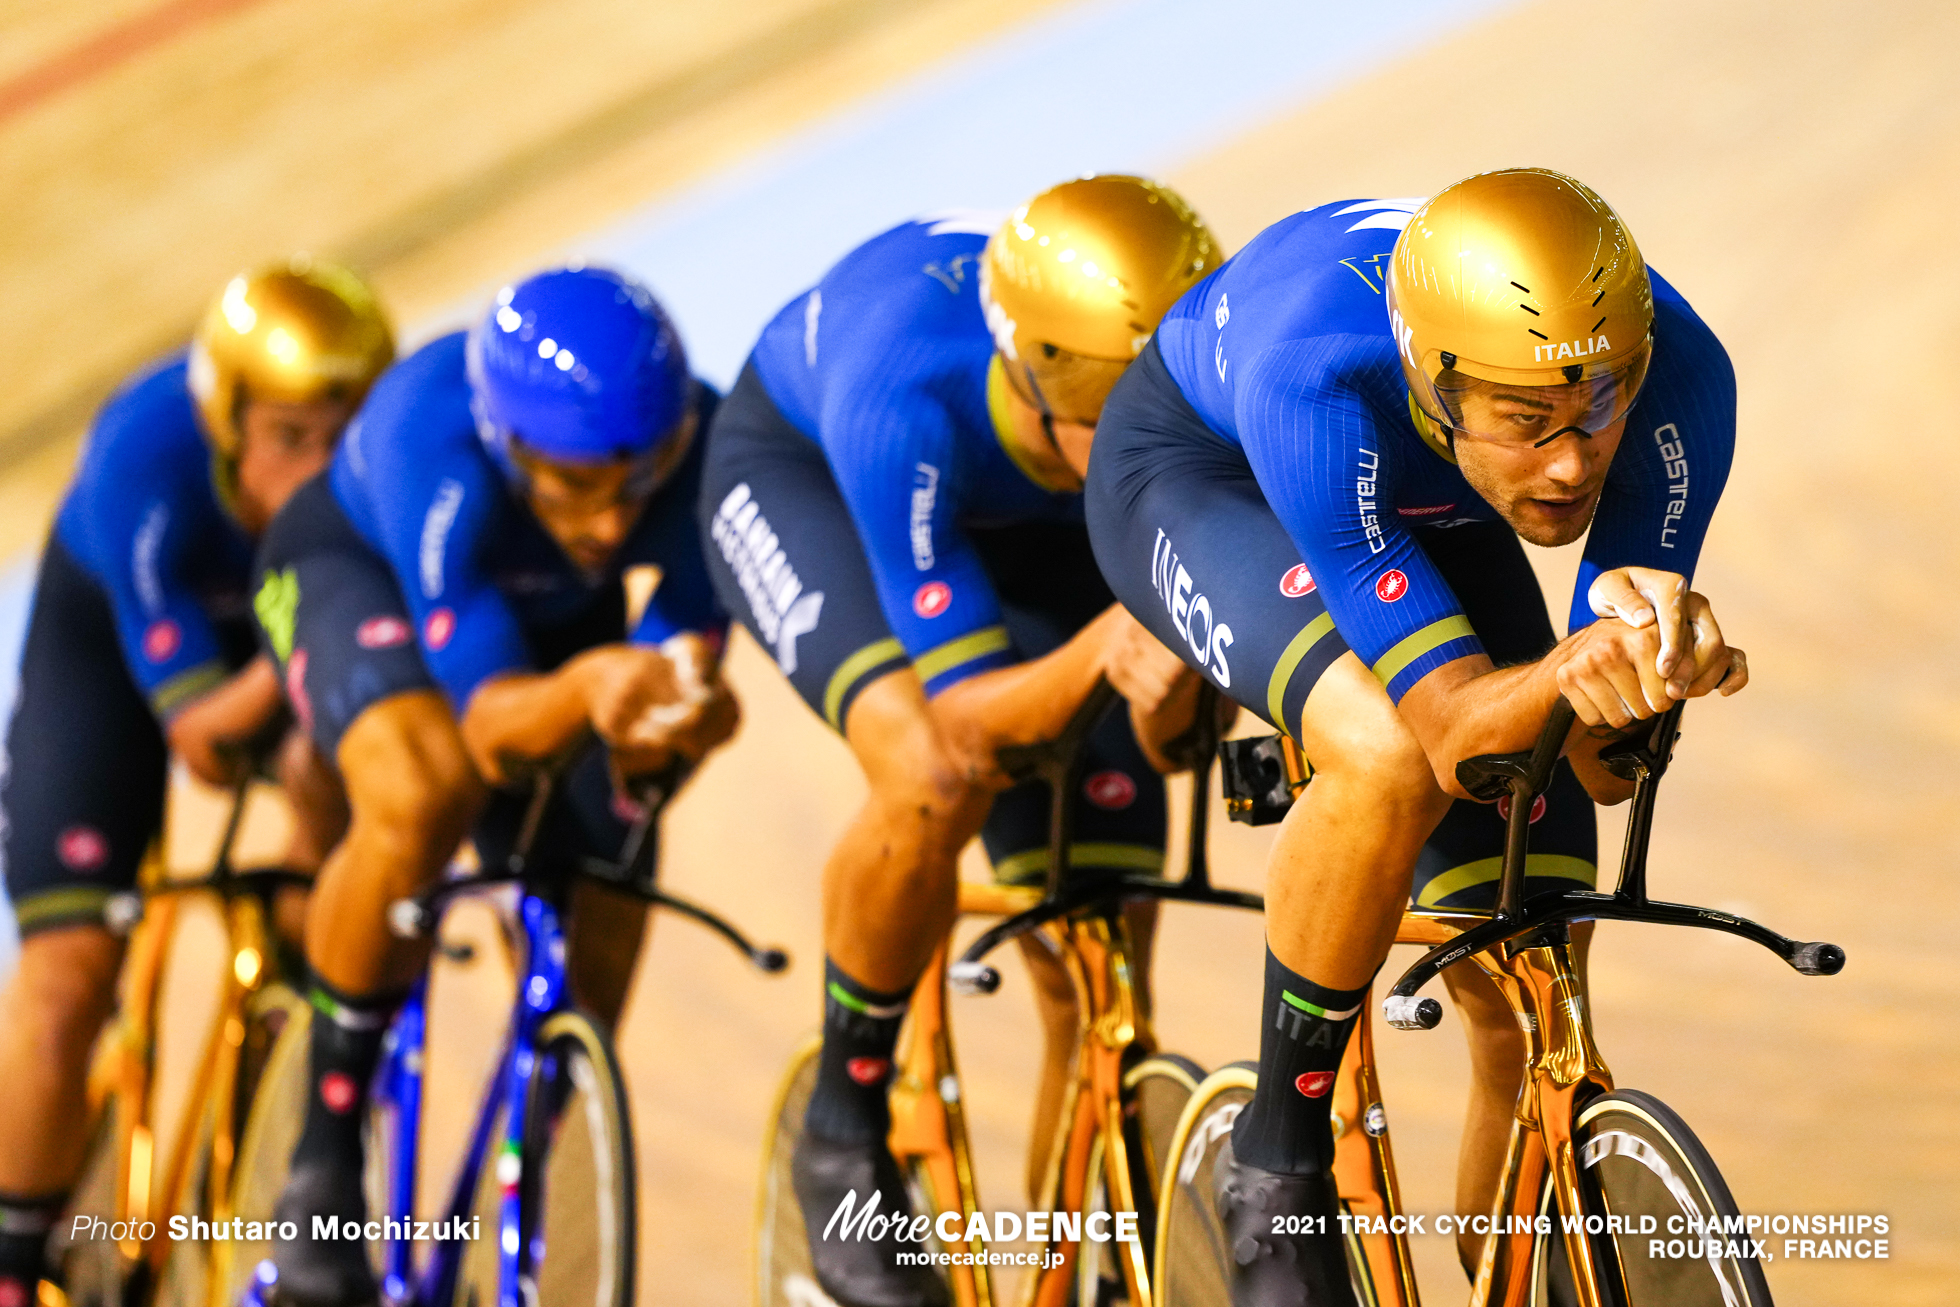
580,364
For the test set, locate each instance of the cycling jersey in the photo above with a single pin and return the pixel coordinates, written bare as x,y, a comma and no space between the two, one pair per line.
142,519
480,577
1287,354
884,364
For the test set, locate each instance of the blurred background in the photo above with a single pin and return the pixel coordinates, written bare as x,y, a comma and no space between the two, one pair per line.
1793,168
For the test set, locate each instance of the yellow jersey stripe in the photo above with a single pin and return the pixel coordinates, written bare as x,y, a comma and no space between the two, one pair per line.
850,670
937,662
1429,639
1031,866
1289,661
1485,871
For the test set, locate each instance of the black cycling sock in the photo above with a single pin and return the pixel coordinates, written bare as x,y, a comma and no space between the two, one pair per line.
25,1223
346,1044
860,1029
1285,1127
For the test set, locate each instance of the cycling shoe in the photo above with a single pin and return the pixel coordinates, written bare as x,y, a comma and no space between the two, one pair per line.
854,1270
1283,1269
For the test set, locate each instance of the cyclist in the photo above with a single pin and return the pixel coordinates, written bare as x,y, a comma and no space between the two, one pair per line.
448,603
1321,467
139,645
893,507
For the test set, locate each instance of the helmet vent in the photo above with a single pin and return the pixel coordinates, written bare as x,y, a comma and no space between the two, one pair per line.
1597,325
1525,289
1449,359
1541,335
1528,309
1573,371
1595,276
1597,298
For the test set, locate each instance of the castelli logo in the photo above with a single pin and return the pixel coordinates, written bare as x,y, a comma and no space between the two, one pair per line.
868,1071
1430,511
932,599
384,632
338,1092
1113,790
1504,808
12,1292
1315,1084
1298,581
161,639
439,627
1391,585
82,848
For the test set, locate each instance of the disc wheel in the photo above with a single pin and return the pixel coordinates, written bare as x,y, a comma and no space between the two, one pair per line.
1193,1266
1155,1092
784,1275
1637,1160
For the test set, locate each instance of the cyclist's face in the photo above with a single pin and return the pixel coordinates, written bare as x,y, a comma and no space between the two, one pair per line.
1544,477
282,447
588,508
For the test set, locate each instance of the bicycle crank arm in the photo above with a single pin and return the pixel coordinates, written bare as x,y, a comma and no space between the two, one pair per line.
771,960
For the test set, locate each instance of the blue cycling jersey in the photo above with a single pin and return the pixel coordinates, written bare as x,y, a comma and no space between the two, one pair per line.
884,364
142,518
1286,352
478,571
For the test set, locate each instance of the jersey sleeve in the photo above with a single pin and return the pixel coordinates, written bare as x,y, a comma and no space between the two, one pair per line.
1673,460
896,465
433,515
1328,467
168,640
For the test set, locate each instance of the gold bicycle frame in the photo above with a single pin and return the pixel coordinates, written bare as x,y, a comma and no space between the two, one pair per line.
125,1068
1563,1069
928,1118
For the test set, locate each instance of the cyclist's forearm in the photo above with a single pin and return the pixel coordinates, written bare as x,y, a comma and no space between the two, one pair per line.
523,717
1468,708
1024,704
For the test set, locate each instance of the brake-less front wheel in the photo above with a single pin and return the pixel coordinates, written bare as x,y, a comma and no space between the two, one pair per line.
1193,1266
1640,1163
784,1275
1155,1092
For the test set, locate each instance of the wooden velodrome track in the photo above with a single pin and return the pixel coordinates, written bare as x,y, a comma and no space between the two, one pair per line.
1792,167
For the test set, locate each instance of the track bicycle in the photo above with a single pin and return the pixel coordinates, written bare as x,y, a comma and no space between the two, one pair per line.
1592,1173
542,1209
1123,1097
126,1182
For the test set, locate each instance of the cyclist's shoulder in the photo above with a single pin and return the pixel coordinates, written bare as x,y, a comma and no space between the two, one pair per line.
414,436
1683,340
145,448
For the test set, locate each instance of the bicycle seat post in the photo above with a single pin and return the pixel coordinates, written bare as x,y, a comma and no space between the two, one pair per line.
1205,733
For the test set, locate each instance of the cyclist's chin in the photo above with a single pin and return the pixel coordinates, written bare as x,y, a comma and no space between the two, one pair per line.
1551,521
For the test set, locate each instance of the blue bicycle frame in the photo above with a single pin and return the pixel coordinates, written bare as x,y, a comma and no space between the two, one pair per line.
397,1096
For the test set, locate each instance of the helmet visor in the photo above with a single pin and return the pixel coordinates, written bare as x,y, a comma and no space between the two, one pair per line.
1064,386
1524,416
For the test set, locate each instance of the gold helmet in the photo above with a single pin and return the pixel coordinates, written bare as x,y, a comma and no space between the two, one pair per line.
1524,278
292,332
1077,279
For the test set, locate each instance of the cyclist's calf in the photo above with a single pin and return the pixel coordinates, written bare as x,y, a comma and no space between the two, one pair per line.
51,1012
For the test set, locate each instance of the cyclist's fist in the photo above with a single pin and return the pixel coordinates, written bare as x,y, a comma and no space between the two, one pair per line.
1140,667
1715,664
1645,598
1611,674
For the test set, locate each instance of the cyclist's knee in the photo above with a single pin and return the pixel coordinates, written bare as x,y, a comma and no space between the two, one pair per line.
408,774
1354,735
912,770
65,982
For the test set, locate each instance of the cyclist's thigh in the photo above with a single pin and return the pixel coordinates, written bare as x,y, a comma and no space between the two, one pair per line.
1050,588
1487,569
86,763
1188,543
333,615
785,557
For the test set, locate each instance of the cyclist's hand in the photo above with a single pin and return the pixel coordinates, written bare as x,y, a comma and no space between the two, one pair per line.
1643,597
1611,674
1141,668
1716,663
659,701
213,733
